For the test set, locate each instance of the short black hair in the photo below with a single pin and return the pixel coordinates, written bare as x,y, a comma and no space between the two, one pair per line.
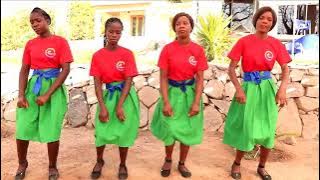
261,11
112,20
107,23
43,13
177,16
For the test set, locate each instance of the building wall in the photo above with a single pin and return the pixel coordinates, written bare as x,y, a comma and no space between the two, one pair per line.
158,15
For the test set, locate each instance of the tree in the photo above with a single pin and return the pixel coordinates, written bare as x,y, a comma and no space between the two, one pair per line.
16,30
81,21
301,12
104,18
240,12
286,13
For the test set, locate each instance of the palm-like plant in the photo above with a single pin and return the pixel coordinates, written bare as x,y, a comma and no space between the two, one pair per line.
214,35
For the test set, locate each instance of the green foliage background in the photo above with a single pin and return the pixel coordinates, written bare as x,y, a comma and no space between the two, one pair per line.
81,21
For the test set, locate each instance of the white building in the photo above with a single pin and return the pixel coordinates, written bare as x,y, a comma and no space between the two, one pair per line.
150,21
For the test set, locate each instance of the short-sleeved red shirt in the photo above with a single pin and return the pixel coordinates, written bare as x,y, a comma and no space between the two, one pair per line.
182,62
259,54
49,52
113,66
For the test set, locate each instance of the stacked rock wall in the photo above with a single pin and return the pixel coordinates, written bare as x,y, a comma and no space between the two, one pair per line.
299,118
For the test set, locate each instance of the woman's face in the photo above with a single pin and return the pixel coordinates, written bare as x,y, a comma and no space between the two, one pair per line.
183,27
113,33
38,23
264,22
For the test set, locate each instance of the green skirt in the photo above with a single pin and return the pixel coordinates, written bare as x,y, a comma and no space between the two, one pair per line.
42,123
255,121
114,131
179,127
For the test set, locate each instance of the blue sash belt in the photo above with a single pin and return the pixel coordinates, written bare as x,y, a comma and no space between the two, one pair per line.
256,76
52,73
182,84
112,88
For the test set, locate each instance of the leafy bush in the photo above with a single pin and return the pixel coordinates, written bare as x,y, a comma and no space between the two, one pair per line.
16,30
214,35
81,21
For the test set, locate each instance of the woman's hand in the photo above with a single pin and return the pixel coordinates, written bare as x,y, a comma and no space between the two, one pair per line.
240,96
167,109
194,110
22,102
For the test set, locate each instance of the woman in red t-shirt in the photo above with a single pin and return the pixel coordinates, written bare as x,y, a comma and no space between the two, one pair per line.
118,112
253,113
179,113
42,101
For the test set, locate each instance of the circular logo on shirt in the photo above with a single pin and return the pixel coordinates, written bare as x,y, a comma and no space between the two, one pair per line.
50,52
268,55
192,61
120,65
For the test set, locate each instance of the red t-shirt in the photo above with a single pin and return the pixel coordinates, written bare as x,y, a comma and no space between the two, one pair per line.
49,52
259,54
113,66
182,62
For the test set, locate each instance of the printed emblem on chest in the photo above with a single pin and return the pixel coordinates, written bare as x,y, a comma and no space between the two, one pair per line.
50,52
192,61
120,65
268,55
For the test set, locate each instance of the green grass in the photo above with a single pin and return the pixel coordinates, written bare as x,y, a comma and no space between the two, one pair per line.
306,61
10,59
221,61
14,57
83,57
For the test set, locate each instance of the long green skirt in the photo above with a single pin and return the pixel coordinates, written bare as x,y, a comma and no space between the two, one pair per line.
42,123
255,121
115,131
179,127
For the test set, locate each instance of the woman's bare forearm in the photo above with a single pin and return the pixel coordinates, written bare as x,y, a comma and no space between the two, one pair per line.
23,79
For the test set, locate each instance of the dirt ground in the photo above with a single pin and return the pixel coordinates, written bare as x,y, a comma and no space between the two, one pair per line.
209,161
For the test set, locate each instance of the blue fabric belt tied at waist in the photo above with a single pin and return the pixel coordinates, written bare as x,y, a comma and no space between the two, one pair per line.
112,88
256,76
181,84
52,73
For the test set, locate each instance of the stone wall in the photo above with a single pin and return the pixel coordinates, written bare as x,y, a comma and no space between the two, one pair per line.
299,118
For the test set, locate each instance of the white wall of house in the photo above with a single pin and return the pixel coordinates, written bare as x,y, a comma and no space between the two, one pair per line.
157,14
206,7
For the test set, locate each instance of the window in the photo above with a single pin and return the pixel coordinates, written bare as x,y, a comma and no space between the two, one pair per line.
137,25
307,17
299,19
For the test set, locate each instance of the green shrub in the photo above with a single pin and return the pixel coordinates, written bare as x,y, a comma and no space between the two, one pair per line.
214,35
81,21
16,30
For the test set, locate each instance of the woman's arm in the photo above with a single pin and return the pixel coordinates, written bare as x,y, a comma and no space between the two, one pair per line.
194,110
23,79
41,100
124,94
240,95
281,94
103,115
167,110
